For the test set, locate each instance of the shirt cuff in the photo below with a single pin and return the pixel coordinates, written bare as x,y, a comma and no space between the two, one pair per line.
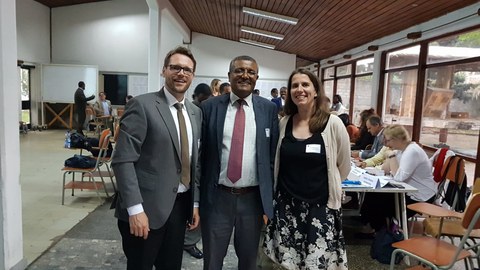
196,204
134,210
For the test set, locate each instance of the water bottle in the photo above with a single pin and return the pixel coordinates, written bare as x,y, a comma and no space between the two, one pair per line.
68,139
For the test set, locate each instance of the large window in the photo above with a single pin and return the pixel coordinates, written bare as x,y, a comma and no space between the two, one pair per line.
451,105
338,80
400,98
363,88
448,114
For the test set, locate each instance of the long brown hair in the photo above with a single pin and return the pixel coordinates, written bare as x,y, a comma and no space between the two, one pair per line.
319,115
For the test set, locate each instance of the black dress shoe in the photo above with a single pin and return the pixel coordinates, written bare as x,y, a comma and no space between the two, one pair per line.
193,251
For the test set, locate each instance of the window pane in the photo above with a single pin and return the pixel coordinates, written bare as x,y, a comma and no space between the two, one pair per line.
24,84
451,113
344,70
343,89
400,98
403,58
328,87
328,73
363,96
26,116
461,46
364,66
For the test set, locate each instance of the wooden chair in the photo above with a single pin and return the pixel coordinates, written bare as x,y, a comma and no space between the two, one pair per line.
92,119
92,172
434,252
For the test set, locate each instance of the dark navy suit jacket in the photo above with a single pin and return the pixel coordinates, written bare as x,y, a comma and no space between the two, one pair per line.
266,119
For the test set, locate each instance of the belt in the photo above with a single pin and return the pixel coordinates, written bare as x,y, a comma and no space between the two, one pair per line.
238,191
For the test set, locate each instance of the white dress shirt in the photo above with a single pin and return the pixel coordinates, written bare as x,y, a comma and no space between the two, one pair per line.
249,167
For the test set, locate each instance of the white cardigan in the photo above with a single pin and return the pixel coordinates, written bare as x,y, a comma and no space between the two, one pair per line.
337,147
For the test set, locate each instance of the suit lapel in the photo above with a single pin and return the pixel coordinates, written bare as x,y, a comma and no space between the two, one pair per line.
221,114
164,110
259,119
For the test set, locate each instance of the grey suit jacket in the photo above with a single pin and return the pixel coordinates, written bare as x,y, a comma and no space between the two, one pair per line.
376,146
214,112
147,162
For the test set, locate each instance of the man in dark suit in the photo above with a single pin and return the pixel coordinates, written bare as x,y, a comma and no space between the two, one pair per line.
155,164
81,105
239,137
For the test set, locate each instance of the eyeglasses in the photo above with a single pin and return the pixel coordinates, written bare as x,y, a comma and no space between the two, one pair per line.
176,68
241,71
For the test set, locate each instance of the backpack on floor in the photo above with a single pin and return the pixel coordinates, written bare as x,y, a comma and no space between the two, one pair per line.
381,249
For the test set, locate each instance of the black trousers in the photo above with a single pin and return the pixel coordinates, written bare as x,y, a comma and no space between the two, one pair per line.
164,246
80,120
379,206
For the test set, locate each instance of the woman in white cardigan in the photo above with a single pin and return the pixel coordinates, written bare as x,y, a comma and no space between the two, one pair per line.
312,159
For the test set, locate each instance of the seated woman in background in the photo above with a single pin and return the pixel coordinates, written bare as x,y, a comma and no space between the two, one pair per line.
409,164
352,130
365,138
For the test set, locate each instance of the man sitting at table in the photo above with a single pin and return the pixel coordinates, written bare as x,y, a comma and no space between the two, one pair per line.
374,126
103,108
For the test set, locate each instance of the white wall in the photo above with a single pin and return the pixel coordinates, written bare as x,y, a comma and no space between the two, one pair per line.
11,246
33,31
114,35
213,57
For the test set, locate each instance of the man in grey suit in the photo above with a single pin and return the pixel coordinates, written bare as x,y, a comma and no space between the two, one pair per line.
239,137
157,170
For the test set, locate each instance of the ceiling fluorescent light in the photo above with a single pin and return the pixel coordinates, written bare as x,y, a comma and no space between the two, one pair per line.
264,33
256,43
270,16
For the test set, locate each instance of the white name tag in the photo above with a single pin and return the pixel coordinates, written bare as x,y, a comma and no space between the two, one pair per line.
313,148
267,132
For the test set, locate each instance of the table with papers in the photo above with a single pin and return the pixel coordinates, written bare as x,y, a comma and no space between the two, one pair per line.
360,181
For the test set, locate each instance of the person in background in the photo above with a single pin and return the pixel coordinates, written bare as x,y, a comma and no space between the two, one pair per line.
312,159
201,93
81,105
215,86
352,130
103,108
127,98
409,164
157,170
365,137
337,105
275,98
225,88
376,160
256,92
239,135
375,127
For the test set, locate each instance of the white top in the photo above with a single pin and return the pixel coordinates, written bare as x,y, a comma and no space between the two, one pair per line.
249,167
415,169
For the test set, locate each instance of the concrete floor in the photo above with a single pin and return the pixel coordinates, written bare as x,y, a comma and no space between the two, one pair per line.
82,234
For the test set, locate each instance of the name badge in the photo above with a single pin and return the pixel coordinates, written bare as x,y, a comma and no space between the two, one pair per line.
267,132
313,148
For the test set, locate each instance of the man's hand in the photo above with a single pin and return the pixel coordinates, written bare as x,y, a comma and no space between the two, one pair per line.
139,225
355,154
196,219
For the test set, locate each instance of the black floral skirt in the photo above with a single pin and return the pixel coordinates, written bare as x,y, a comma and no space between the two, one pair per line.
305,236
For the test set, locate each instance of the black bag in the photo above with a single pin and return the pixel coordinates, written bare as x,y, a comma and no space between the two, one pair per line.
381,249
453,189
77,140
79,161
94,142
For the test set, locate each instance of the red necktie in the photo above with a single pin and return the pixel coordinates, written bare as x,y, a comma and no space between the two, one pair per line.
234,170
